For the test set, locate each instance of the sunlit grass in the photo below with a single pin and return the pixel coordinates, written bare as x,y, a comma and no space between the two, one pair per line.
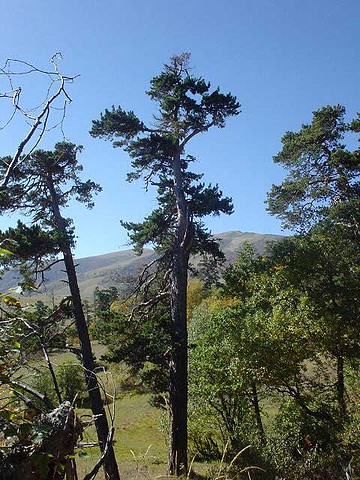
139,442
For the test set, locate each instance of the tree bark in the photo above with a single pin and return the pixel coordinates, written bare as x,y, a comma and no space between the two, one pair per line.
96,402
178,388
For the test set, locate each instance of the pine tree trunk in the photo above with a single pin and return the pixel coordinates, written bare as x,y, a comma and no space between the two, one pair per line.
96,402
178,371
178,388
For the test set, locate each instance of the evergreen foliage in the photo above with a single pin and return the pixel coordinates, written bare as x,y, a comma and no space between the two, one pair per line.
323,180
186,107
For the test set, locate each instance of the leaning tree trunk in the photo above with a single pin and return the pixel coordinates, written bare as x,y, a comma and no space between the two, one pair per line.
178,389
96,402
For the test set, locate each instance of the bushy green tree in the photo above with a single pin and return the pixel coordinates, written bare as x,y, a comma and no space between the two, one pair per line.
325,268
220,382
277,336
103,298
254,339
321,197
142,343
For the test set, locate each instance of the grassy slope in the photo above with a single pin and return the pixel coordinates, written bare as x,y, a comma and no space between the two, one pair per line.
140,446
230,242
100,271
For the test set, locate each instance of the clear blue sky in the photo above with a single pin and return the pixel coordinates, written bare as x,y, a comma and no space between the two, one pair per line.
282,58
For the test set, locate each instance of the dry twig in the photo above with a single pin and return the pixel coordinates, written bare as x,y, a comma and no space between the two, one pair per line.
38,117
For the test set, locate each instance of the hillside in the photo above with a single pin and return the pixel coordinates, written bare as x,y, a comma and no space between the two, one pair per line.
104,270
232,241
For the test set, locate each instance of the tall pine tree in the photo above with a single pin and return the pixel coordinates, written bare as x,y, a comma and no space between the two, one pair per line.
187,107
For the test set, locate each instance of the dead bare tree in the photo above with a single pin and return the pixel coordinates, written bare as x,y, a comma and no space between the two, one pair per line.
45,116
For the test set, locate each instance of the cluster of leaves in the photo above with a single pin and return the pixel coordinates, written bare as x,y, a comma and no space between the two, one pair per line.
323,179
28,333
23,334
104,299
70,379
273,340
32,390
35,247
144,342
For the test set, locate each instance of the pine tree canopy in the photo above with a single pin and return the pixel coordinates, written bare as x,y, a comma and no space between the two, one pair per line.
187,106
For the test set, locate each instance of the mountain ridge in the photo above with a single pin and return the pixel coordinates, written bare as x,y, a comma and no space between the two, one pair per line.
105,270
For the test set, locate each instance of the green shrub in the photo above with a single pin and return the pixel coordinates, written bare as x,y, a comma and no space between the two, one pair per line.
71,382
70,378
303,447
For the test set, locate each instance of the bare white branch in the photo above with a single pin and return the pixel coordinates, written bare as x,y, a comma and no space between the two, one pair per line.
37,117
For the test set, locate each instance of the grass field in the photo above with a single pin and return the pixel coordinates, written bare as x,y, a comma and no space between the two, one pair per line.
140,438
140,446
140,441
140,433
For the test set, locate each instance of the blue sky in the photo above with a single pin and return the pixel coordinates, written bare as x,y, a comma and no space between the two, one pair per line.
282,59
